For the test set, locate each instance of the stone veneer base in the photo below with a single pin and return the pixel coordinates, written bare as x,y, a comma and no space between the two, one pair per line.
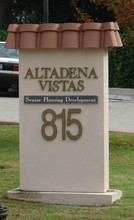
67,198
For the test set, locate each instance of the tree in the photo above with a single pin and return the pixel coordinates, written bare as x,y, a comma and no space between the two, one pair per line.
61,11
90,11
121,10
31,11
24,11
124,13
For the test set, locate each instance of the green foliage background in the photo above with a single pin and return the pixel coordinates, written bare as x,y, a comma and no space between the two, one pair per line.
3,35
121,66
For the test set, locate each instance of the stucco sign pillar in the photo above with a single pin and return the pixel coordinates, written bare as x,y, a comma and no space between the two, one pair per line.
63,93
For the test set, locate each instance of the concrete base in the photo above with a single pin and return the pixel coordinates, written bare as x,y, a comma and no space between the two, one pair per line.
67,198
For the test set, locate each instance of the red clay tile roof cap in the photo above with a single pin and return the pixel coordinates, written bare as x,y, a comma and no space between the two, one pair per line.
70,26
67,35
48,27
28,28
91,26
13,28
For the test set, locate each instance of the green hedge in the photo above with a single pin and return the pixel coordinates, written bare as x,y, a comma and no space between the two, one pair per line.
3,35
121,66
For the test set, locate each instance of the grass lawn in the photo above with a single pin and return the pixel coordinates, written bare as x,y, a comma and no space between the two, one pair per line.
121,177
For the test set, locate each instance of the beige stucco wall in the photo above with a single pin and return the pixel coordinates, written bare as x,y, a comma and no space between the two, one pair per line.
65,165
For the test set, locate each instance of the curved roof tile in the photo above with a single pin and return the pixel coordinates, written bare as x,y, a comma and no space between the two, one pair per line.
67,35
91,26
48,27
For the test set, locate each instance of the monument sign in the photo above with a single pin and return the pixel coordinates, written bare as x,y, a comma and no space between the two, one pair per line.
63,94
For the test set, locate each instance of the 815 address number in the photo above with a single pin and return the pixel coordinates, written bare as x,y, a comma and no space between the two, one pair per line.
67,120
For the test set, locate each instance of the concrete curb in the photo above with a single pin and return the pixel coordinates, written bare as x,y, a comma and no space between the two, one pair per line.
123,94
9,123
121,98
116,131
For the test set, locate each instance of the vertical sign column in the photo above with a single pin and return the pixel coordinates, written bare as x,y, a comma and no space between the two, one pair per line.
64,120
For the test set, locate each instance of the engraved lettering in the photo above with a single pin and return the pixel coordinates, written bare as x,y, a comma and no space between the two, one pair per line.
37,74
93,74
81,71
46,70
29,74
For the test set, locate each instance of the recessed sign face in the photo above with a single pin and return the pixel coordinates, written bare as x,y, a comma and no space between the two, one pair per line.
64,120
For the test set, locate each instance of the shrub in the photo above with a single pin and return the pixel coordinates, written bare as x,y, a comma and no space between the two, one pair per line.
3,35
121,65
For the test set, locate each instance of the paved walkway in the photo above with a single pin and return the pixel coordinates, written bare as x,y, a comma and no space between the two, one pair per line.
121,110
121,116
9,109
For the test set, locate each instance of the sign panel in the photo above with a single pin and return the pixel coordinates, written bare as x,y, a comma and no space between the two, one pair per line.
64,120
61,99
